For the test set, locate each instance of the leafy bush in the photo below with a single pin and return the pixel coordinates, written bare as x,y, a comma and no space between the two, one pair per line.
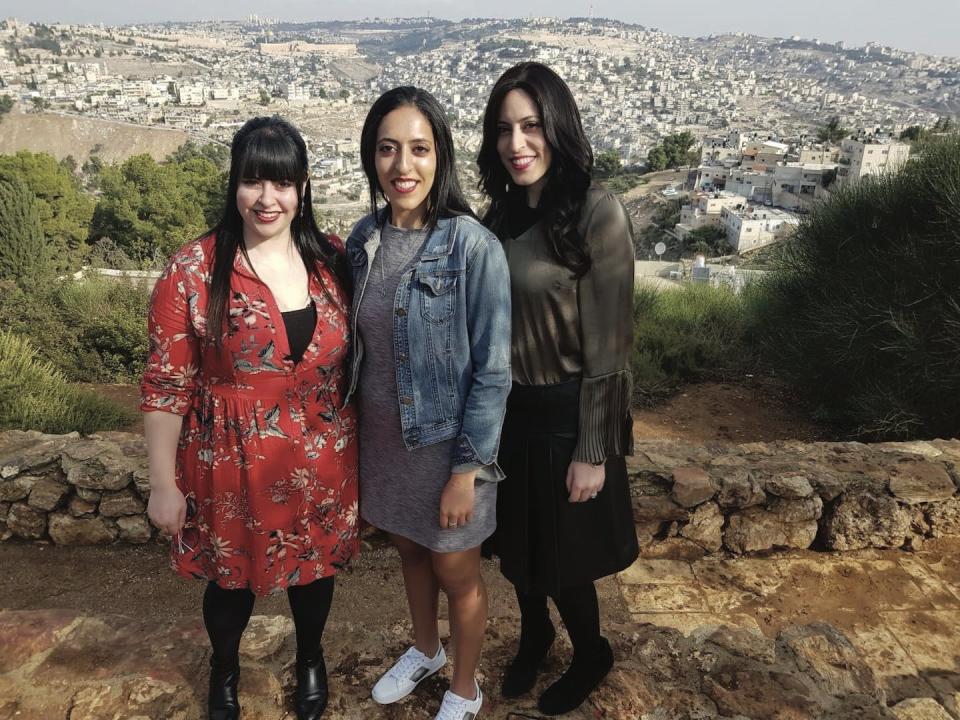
92,330
690,334
35,396
864,309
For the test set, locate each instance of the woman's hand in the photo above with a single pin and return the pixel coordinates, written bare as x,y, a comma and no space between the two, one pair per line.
167,508
456,502
584,481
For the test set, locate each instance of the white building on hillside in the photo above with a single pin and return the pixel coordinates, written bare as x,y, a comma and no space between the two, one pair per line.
751,227
870,156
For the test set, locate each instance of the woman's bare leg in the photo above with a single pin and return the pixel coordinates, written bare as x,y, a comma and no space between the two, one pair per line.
422,589
459,576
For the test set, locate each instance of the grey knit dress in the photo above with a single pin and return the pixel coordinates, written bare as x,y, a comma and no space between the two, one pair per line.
400,489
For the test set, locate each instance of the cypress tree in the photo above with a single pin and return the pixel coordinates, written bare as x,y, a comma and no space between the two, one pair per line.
24,257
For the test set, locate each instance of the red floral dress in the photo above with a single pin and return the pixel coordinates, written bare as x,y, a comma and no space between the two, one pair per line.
268,456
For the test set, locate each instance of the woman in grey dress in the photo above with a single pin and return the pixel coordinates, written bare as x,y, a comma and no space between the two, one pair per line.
431,312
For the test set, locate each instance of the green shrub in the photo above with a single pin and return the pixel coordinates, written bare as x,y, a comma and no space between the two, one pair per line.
93,330
863,313
690,334
35,396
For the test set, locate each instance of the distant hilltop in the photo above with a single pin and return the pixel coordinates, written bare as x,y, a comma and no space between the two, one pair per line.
62,135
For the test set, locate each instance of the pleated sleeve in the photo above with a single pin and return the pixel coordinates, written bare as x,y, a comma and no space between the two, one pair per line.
605,298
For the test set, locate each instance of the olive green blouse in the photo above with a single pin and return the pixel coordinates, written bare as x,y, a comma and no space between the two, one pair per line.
565,328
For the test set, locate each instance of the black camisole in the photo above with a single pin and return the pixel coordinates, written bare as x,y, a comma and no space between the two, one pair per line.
300,325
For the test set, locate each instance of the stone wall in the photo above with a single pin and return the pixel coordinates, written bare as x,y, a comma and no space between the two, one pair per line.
688,500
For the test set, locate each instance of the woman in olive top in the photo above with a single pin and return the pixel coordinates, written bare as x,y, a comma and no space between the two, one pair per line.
564,516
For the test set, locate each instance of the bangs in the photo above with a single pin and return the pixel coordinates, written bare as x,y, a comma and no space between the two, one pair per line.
270,156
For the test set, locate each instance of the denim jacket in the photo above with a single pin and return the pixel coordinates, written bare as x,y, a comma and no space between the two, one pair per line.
451,337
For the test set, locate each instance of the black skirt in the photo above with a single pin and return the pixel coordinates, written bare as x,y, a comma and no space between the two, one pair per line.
545,542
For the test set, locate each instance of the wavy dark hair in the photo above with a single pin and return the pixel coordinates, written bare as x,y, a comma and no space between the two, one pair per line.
267,148
446,198
571,166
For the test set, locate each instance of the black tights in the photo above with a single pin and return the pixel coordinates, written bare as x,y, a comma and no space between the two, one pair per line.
226,613
578,608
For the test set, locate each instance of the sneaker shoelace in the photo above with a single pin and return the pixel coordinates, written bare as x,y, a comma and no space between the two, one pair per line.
408,664
452,708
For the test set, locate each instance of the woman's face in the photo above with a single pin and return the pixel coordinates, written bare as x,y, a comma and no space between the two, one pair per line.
522,145
406,162
267,208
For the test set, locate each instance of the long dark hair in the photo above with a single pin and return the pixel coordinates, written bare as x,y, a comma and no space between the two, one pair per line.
446,197
267,148
568,178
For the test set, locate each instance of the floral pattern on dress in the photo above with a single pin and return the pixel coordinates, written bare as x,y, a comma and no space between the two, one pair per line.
267,457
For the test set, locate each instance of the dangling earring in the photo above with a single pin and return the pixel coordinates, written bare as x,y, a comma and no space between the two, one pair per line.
506,188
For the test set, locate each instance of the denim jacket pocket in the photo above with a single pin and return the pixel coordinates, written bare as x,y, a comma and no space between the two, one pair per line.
437,294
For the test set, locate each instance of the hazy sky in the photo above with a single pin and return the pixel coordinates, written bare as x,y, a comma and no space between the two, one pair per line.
931,26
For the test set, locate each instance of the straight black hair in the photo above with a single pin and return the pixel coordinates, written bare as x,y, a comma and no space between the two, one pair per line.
571,166
446,198
267,148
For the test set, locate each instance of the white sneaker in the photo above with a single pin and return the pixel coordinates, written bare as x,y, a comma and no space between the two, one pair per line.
455,707
406,673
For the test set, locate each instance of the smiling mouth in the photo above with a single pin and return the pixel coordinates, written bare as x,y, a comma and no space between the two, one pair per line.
403,186
266,216
522,163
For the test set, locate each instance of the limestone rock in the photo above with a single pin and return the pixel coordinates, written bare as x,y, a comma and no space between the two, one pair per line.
739,489
917,481
97,464
691,486
944,517
68,530
799,510
24,452
862,520
135,529
705,527
78,507
265,635
141,481
758,529
656,508
920,709
743,642
26,522
48,493
4,510
829,657
123,502
789,486
18,488
139,697
88,494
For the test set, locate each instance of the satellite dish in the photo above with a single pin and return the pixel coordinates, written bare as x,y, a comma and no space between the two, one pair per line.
660,248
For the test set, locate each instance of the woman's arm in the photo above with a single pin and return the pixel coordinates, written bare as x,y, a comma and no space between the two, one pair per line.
488,327
166,391
605,303
166,508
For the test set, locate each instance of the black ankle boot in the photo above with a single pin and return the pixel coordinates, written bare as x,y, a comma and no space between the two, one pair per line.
222,702
312,694
522,673
586,671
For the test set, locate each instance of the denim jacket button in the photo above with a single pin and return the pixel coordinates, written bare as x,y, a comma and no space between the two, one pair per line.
406,400
400,312
402,357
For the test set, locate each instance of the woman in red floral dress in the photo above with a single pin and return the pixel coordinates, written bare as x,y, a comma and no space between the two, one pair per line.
253,457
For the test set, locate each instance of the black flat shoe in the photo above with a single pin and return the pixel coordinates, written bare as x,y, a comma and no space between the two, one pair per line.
312,693
573,687
222,702
521,676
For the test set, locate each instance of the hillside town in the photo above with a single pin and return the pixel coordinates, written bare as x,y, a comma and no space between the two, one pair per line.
752,104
